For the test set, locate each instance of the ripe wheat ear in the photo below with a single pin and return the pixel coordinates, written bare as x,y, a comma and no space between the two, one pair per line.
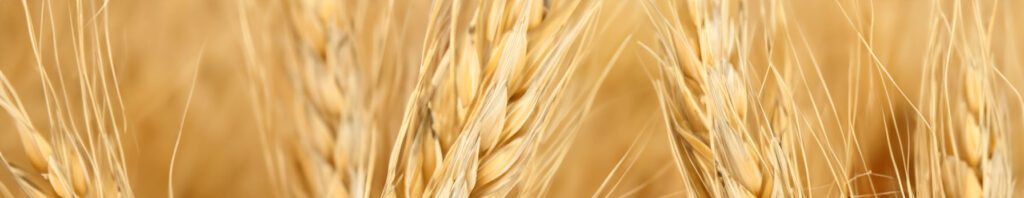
489,93
704,96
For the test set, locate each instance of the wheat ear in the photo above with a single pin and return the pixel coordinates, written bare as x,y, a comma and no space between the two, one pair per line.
704,98
490,74
967,156
346,87
978,167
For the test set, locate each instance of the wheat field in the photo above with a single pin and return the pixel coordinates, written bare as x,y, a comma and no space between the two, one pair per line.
522,98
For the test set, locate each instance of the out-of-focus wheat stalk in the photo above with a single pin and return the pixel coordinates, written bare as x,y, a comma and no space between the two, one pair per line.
345,86
966,156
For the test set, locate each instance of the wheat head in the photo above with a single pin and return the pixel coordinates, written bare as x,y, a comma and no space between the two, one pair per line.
485,99
703,94
346,87
965,157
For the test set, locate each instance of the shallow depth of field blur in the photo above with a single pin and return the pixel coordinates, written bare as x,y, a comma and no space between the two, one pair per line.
157,46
